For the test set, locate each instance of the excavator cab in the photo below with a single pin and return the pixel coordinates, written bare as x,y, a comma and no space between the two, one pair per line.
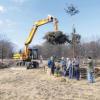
33,53
33,56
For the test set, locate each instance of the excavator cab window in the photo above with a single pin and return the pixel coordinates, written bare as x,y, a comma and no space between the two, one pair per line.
33,53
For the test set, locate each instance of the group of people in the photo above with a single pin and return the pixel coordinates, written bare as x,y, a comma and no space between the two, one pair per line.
71,67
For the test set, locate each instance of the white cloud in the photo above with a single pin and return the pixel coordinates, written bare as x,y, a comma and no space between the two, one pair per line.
2,9
19,1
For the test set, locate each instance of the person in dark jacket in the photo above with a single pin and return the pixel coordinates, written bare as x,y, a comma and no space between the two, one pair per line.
76,68
51,65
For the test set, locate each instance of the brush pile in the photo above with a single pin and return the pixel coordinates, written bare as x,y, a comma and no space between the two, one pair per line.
56,38
3,65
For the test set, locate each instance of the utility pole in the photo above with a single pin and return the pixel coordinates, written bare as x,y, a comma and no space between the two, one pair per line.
73,46
73,41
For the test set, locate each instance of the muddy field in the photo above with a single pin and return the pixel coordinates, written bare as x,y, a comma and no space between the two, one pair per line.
35,84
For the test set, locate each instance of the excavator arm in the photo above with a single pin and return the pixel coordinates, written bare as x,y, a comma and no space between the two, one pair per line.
40,23
25,54
33,31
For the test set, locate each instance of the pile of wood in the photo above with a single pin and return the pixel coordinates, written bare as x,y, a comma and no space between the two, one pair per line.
97,72
6,64
3,65
83,72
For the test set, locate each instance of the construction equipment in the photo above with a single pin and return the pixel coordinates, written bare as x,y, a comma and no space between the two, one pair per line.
28,55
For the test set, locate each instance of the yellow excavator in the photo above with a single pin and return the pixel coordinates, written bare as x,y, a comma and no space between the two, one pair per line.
28,55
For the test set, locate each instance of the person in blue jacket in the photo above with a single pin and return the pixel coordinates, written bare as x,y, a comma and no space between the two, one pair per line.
51,65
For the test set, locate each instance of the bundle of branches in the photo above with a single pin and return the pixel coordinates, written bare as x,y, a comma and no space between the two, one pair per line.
56,37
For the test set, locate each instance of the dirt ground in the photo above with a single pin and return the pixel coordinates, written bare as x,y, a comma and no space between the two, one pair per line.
35,84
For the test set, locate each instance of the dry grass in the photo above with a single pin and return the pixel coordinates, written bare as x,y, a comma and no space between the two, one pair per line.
35,84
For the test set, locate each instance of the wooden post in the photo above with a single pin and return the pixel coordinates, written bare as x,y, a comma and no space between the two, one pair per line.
73,45
2,53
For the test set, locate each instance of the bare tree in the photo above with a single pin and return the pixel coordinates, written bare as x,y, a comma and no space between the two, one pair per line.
6,47
82,49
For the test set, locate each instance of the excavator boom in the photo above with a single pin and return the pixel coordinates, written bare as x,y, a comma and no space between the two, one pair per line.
34,29
40,23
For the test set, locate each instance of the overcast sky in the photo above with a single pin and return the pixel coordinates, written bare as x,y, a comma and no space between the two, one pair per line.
18,16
